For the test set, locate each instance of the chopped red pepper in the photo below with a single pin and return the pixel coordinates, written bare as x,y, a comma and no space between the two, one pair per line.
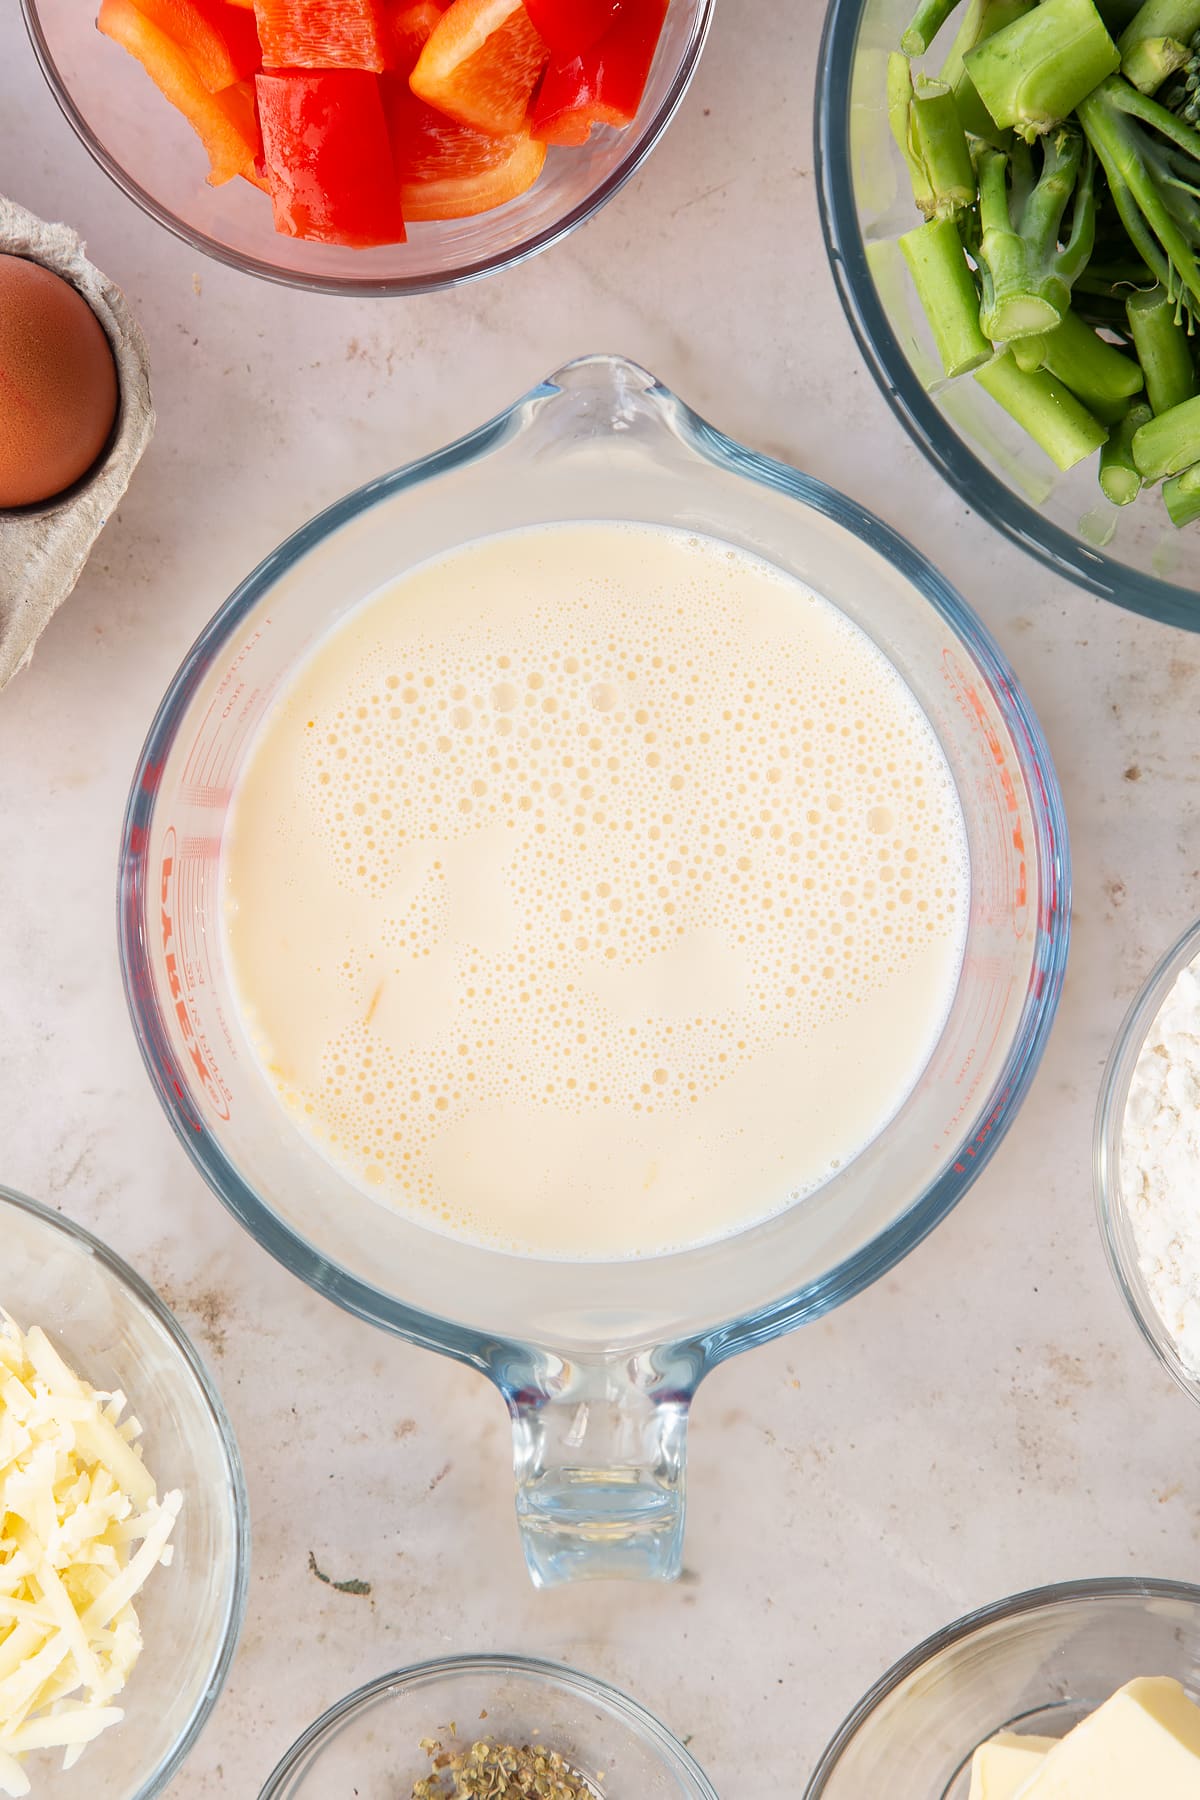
219,40
450,171
225,122
327,157
572,26
481,65
410,24
323,34
603,85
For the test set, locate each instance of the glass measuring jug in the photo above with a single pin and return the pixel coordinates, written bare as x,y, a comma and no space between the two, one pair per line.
597,1361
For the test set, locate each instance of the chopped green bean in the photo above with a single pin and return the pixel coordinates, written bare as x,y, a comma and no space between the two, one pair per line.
1034,73
1119,478
1181,496
1156,42
1163,348
1169,442
946,289
926,22
1044,408
940,143
1095,371
982,20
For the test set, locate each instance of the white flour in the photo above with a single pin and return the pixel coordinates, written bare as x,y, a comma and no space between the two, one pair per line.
1160,1163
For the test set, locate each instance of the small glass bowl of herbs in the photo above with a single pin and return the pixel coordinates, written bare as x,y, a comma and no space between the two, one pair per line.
487,1727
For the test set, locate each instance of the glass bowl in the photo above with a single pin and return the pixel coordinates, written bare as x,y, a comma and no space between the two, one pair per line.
369,1743
1130,555
1038,1663
155,157
596,1360
1116,1226
115,1332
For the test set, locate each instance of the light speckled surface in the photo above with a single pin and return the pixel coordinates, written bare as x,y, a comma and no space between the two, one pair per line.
984,1419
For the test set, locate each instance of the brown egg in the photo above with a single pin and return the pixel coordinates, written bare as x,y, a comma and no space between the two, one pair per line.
58,384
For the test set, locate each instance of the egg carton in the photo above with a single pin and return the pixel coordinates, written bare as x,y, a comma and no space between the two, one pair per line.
43,549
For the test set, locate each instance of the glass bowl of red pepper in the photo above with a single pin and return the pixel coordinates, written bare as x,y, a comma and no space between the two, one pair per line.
378,146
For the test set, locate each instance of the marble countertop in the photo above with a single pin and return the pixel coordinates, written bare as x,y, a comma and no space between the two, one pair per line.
984,1419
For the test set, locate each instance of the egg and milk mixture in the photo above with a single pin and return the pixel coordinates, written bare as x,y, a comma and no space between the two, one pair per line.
594,891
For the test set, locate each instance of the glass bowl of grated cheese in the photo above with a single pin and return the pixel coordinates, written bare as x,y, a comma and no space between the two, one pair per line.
1147,1160
116,1447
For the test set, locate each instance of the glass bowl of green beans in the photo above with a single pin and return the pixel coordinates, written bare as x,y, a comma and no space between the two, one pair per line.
1025,292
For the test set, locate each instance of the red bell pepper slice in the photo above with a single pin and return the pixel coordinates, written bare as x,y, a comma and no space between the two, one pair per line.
410,24
603,85
219,40
481,65
450,171
571,26
323,34
327,157
224,122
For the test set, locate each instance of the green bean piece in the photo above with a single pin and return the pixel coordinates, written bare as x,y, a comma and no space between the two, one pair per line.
1033,74
946,289
1163,348
1120,481
1168,443
1181,495
1044,408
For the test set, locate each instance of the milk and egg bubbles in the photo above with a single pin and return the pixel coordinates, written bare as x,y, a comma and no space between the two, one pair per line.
594,890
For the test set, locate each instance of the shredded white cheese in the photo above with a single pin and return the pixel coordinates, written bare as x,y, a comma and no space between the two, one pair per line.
81,1528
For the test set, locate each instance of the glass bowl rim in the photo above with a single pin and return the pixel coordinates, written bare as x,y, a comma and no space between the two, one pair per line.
996,1612
1110,1108
645,138
957,464
144,1296
539,1670
997,1108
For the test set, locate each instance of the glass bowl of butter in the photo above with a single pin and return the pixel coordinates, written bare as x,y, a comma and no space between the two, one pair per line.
124,1526
1089,1690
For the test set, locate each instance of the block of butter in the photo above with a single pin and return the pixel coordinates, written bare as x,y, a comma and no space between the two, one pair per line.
1145,1741
1001,1767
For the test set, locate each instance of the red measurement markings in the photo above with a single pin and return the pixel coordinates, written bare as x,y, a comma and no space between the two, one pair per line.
211,799
1000,899
990,980
1002,790
180,924
215,749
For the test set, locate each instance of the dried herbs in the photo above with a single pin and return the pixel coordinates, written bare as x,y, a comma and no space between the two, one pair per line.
354,1586
489,1771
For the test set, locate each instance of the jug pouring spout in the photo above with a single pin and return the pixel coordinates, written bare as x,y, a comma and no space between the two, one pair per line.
600,1448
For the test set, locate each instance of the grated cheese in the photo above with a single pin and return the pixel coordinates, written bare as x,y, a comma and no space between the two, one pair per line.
81,1529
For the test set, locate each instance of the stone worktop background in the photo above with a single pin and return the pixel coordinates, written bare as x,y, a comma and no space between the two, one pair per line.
983,1420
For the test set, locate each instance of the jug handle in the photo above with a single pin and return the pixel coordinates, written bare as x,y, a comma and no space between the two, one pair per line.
599,1450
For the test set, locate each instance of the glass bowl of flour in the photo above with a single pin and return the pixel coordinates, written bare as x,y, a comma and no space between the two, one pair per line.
1147,1160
